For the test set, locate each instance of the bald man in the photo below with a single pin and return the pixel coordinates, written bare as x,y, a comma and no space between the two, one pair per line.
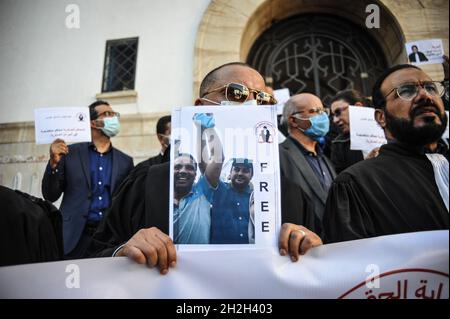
306,174
137,225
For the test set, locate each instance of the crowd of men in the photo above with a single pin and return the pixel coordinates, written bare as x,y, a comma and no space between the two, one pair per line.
110,208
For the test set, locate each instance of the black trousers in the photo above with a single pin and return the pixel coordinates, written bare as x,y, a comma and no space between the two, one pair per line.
85,240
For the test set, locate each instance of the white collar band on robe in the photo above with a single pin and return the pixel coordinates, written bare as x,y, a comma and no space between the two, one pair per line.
440,167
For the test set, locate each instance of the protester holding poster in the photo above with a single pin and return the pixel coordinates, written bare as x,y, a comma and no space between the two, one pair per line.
341,155
406,187
88,174
306,173
137,223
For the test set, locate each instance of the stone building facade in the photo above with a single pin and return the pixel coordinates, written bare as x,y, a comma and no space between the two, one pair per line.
220,31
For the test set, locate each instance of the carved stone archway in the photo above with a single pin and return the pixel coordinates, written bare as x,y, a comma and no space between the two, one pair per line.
229,28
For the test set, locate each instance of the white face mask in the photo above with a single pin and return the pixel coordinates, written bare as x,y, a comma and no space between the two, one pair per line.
223,103
250,102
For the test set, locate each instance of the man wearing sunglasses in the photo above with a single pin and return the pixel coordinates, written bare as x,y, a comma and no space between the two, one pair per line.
137,223
87,174
306,173
405,188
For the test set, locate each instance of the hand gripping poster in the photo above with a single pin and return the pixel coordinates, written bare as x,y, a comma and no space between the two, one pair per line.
225,185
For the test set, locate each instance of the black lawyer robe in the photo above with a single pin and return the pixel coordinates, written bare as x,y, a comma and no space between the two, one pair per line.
30,229
393,193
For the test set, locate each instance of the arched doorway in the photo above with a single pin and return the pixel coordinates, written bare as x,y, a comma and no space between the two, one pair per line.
229,28
318,53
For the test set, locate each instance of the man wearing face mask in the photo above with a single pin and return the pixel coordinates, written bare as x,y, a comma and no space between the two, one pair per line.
306,174
88,174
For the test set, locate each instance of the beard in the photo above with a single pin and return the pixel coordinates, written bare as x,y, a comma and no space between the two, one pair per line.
404,131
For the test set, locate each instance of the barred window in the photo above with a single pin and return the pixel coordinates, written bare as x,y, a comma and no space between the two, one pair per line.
120,65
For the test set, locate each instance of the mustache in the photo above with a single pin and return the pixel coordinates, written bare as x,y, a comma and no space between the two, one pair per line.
425,105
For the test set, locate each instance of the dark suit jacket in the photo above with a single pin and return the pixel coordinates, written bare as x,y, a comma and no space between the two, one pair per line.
74,180
302,196
142,201
422,57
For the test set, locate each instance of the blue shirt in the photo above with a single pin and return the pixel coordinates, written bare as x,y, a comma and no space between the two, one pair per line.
192,215
317,163
230,215
100,166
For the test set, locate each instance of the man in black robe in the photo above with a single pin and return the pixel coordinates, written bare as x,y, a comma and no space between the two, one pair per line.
404,189
137,223
30,229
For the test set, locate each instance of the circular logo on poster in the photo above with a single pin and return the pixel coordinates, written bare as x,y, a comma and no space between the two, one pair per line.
402,284
81,117
265,132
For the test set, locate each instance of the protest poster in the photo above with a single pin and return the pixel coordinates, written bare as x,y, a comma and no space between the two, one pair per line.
224,177
71,124
428,51
282,96
365,133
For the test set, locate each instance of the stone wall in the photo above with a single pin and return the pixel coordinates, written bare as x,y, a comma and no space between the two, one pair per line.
230,27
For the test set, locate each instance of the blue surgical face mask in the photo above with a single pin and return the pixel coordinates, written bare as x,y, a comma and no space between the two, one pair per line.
320,124
111,126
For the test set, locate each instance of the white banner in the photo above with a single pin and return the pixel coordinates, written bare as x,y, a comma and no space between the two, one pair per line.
413,265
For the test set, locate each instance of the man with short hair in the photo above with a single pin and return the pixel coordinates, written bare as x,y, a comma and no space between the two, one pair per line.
192,203
138,222
230,207
88,174
163,130
306,173
404,188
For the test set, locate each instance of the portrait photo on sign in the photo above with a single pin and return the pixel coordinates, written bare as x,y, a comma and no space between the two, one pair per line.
223,178
425,51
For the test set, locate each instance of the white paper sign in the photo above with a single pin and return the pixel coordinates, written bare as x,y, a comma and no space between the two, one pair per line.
282,95
241,209
71,124
365,133
425,51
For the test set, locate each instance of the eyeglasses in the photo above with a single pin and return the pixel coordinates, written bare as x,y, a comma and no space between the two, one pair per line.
312,112
338,111
236,92
109,114
409,91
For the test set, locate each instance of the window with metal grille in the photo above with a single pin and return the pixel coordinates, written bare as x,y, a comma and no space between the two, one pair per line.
119,71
